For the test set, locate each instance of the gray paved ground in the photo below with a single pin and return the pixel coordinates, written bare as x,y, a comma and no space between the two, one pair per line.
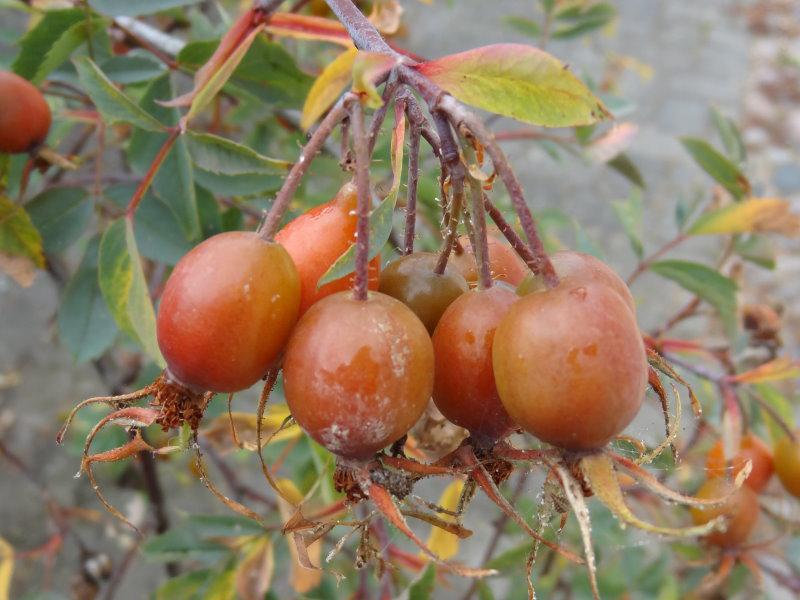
701,53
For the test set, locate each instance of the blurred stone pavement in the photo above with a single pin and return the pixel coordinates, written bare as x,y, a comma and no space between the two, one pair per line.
725,53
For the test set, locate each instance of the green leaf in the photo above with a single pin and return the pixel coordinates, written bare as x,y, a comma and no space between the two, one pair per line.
174,182
158,234
757,249
61,215
422,588
584,20
484,591
524,26
630,212
237,185
730,136
196,538
222,156
267,71
37,43
185,587
135,67
517,81
85,326
511,559
124,287
114,106
380,227
72,39
775,399
623,165
18,235
705,282
720,168
118,8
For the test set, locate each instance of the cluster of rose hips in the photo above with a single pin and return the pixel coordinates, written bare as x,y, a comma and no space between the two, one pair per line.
566,364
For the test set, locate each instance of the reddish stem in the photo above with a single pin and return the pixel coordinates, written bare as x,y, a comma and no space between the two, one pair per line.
272,220
361,283
411,197
480,243
508,231
645,264
451,161
144,184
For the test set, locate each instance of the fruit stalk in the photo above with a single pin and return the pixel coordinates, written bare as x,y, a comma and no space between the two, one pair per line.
366,37
361,282
272,220
451,160
411,197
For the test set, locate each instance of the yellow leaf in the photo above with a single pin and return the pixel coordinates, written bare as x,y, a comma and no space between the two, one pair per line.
218,431
367,68
303,579
774,370
442,543
755,215
254,572
6,568
328,87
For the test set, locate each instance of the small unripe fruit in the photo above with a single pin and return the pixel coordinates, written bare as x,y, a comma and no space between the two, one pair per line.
412,280
752,449
740,509
227,311
787,463
24,114
358,374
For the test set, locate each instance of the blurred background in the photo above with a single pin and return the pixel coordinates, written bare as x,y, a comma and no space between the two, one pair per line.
671,62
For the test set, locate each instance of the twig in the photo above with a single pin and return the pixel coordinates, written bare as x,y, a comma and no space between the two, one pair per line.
361,284
451,161
269,226
645,263
411,196
144,185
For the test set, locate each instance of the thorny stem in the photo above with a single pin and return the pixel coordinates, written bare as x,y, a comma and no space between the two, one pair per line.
144,185
411,197
272,220
363,205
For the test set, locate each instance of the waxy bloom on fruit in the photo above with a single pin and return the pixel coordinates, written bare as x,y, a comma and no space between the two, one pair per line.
358,374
